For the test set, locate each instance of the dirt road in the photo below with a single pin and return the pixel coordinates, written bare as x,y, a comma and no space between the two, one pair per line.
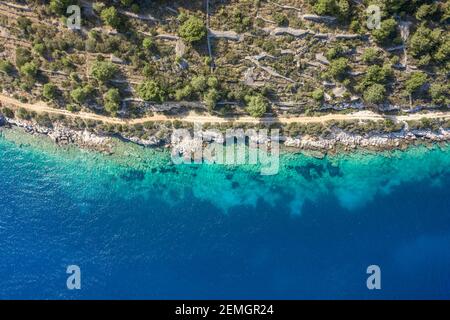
192,117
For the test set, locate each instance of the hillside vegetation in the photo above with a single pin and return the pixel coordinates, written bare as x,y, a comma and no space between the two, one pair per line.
131,58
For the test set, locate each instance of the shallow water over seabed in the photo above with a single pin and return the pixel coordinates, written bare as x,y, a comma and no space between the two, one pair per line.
140,227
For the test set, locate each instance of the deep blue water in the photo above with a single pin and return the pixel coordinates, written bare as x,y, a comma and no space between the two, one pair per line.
131,241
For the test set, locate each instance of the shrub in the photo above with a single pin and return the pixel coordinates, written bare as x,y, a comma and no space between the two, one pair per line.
39,48
318,94
280,19
148,43
213,82
387,31
103,71
439,93
49,91
334,52
98,6
339,8
23,114
424,41
211,98
426,10
151,91
375,94
338,68
126,3
240,21
192,29
199,83
59,6
371,56
376,74
24,24
44,120
29,69
7,112
135,8
183,93
111,17
72,108
148,70
112,101
443,53
415,81
81,94
256,106
22,56
6,66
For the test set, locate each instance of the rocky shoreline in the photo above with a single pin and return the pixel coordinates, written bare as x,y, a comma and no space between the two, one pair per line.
337,140
341,140
62,135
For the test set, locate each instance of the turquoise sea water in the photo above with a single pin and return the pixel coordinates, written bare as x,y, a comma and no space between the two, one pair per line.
140,227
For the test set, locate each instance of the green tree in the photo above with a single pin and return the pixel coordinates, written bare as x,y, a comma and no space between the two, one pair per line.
371,56
440,93
81,94
376,74
103,71
343,8
325,7
339,8
60,6
112,101
318,95
443,53
424,41
192,29
376,93
426,10
387,31
334,53
338,68
39,48
29,69
280,19
49,91
183,93
98,6
211,98
151,91
213,82
415,81
256,106
199,83
111,17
